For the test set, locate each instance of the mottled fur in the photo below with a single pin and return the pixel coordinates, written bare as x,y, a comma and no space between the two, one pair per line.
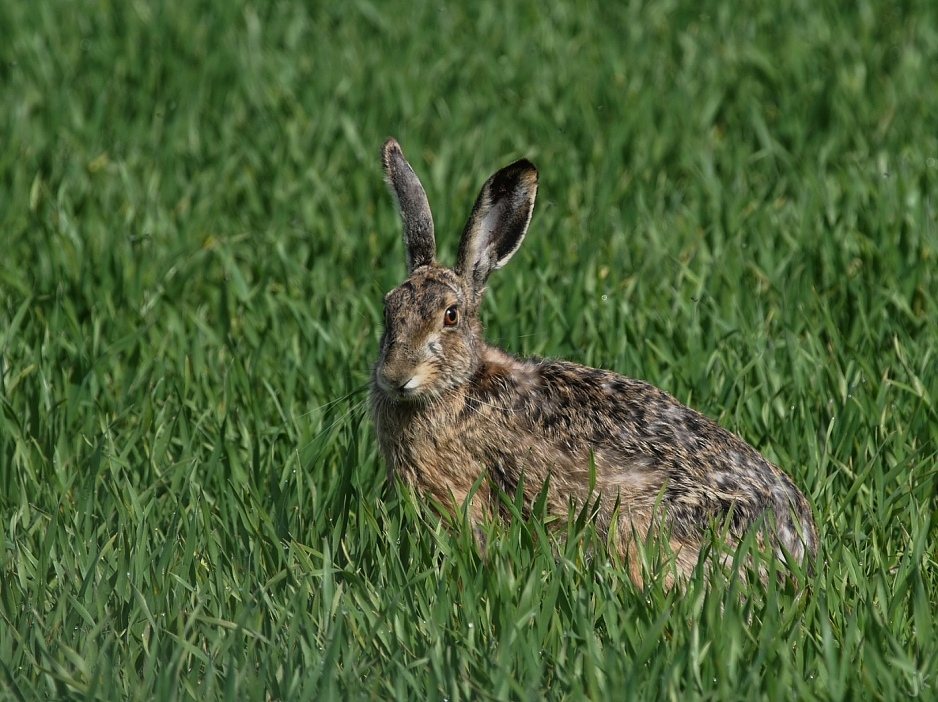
449,408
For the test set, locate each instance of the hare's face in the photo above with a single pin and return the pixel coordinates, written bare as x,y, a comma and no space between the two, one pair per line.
432,336
429,336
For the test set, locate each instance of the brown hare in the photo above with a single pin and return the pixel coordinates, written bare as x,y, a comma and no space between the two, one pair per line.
449,408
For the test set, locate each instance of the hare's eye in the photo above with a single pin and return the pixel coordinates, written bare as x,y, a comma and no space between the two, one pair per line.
451,316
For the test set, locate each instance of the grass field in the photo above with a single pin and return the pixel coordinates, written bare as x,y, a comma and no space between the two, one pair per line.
738,205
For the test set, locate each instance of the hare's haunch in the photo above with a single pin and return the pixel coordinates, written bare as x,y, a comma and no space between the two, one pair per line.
449,408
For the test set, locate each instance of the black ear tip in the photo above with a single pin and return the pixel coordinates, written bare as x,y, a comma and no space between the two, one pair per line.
530,171
520,173
391,149
522,168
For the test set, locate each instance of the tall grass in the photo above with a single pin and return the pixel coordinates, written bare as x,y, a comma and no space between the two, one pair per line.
737,203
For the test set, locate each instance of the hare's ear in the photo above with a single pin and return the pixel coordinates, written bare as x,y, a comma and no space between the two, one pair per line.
412,203
498,222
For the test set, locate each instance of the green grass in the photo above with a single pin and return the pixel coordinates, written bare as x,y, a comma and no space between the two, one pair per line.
738,203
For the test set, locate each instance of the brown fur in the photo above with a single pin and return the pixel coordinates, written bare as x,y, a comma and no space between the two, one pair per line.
449,409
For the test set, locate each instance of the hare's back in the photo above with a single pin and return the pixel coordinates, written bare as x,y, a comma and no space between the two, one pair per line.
650,443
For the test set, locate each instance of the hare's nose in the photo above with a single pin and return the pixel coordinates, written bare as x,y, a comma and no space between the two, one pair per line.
410,384
402,386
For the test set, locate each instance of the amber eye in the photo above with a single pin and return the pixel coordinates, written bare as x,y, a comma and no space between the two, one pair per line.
451,316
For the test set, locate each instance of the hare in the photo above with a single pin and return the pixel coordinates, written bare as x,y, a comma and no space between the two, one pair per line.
450,409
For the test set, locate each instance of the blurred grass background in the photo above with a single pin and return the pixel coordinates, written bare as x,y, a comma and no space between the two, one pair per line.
737,204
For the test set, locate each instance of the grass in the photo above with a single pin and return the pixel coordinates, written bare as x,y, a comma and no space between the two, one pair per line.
738,205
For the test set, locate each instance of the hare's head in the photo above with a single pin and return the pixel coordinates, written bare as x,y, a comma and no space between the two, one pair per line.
432,335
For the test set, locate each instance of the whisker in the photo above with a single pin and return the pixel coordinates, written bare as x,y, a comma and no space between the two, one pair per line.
331,403
354,408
